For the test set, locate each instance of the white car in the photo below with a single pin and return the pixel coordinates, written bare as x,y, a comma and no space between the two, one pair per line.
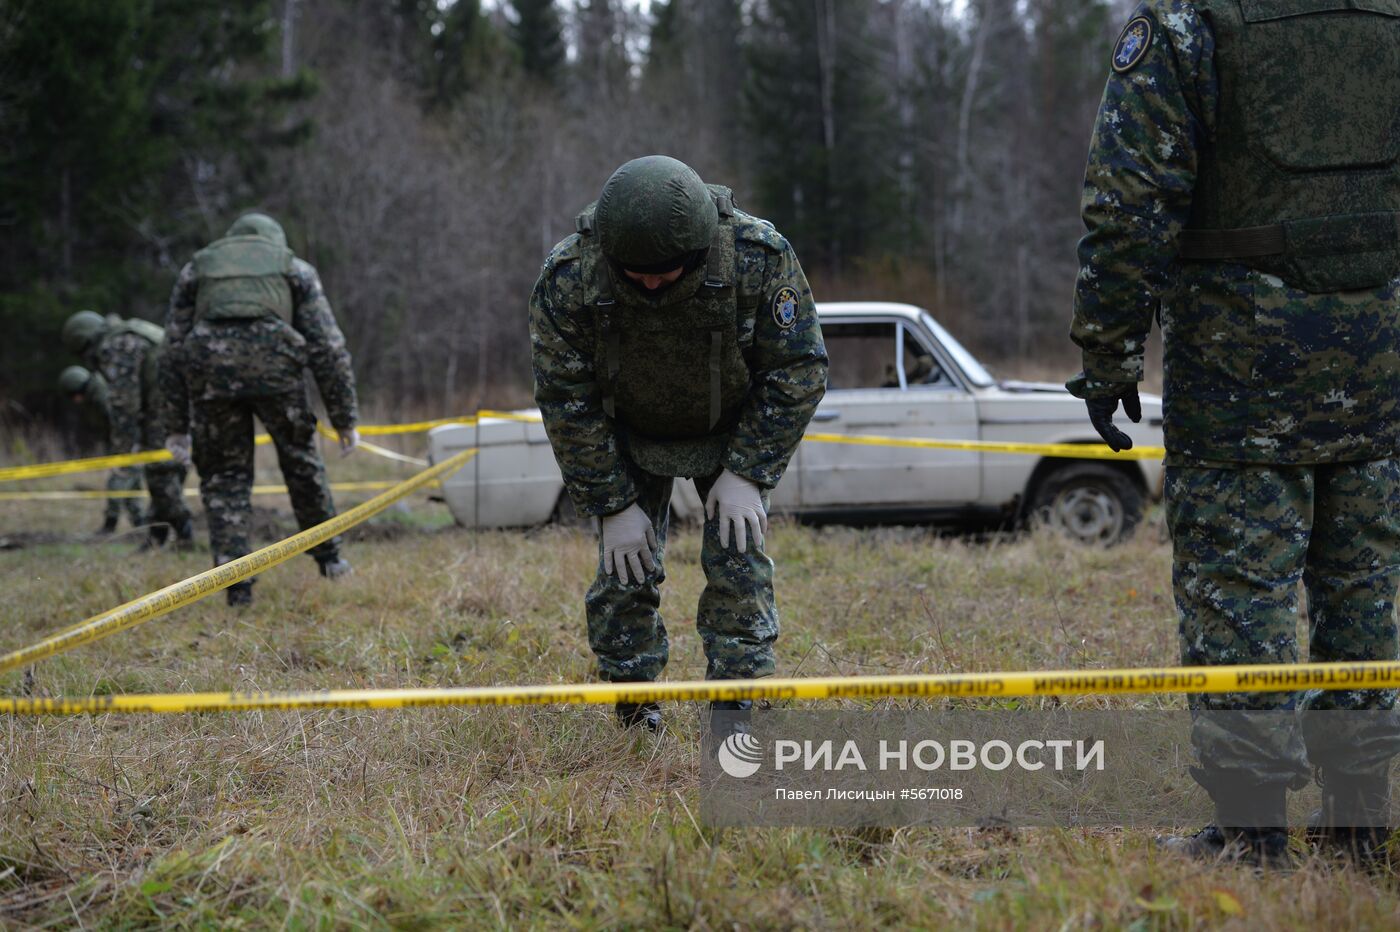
895,372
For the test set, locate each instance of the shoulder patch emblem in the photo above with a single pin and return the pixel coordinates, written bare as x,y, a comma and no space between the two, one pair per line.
1132,44
785,308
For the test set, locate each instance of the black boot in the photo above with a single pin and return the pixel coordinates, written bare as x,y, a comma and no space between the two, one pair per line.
155,537
240,594
184,535
334,567
1251,823
1355,816
639,714
109,525
730,717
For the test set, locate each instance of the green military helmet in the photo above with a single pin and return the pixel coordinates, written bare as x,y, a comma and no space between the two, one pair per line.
654,214
256,224
73,380
82,329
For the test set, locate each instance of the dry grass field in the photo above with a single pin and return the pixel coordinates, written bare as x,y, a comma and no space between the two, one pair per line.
550,817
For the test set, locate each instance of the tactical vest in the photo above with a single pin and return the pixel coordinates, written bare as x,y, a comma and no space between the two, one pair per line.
1302,177
151,333
673,377
243,278
150,361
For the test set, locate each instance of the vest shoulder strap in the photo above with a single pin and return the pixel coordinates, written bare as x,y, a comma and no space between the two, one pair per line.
242,257
151,333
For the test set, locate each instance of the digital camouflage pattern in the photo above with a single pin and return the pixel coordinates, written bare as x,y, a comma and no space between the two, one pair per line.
229,368
1280,404
223,454
1255,370
221,359
1243,538
675,376
129,358
737,618
652,210
124,479
756,318
1305,136
78,382
787,367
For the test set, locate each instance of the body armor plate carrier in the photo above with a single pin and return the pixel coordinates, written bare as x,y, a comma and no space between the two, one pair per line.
673,375
1301,179
243,278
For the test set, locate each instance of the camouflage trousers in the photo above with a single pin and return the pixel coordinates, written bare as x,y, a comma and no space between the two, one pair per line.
223,454
166,484
1243,540
124,479
737,617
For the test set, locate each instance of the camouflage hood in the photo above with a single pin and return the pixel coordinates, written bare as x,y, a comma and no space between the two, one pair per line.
258,225
654,210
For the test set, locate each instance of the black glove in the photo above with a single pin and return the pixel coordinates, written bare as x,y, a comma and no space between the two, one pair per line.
1101,416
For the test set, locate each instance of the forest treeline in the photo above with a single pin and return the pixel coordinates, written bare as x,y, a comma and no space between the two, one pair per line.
425,156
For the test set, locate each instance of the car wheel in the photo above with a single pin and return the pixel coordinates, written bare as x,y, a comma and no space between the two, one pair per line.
1091,503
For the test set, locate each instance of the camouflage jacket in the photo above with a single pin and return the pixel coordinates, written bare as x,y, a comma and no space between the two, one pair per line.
787,363
120,358
220,359
1255,371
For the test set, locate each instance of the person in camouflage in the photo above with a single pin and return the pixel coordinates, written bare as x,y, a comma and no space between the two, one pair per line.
82,386
1243,186
129,356
247,319
674,335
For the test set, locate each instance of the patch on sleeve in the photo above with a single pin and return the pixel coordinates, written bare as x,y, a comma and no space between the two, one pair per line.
1132,44
785,307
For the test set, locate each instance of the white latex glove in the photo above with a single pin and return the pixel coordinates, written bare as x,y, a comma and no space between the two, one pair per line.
179,447
739,504
349,440
628,541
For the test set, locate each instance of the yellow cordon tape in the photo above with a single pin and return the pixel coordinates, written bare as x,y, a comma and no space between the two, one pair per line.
155,604
1262,678
1096,451
45,470
385,430
1077,451
65,494
1060,450
368,447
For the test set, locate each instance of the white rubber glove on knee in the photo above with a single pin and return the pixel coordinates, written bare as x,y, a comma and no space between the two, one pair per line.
628,542
739,504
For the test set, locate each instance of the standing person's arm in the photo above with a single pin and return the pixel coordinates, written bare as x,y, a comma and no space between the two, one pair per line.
1156,112
327,355
788,362
119,359
179,319
562,344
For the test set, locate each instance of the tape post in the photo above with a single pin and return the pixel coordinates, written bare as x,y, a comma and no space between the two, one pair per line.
1140,681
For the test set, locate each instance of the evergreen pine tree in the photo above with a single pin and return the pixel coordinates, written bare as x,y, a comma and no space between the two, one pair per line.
538,36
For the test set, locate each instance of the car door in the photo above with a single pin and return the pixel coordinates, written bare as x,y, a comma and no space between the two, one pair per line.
887,378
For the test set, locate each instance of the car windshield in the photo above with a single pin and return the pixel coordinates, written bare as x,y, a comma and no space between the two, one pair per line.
976,372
